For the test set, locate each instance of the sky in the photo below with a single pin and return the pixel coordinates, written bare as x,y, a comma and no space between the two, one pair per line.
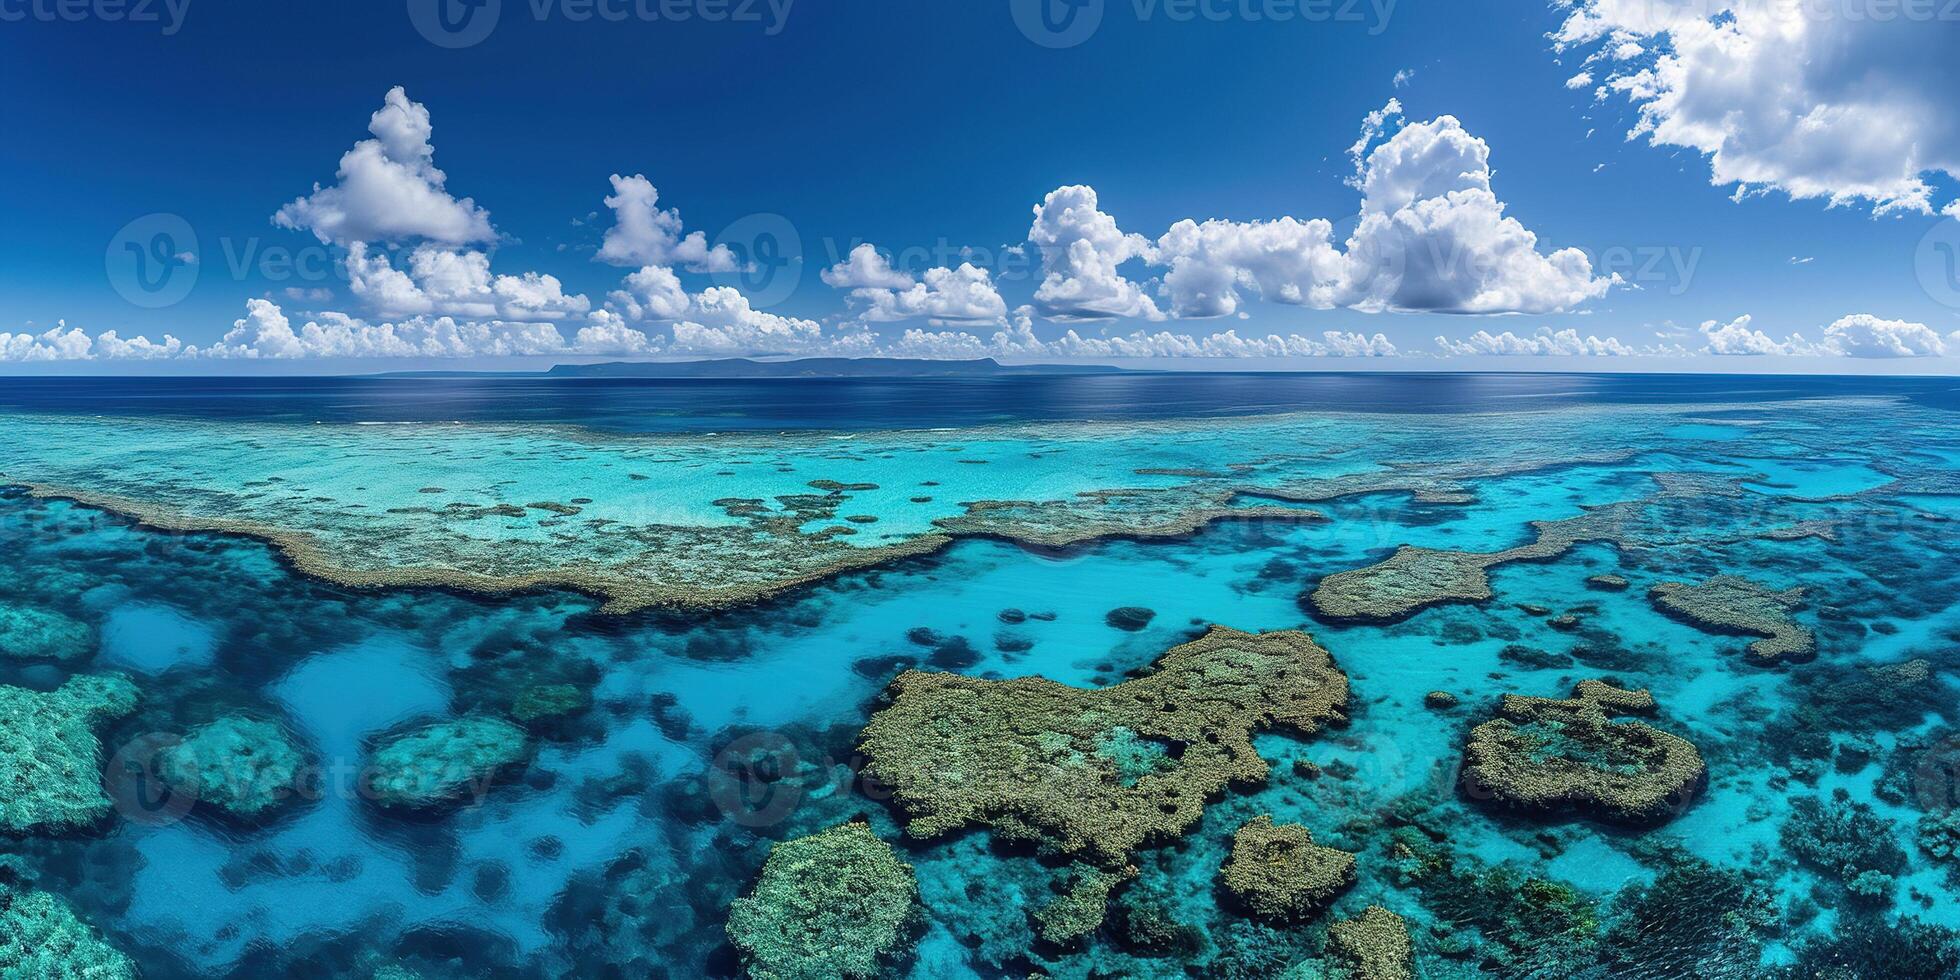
1706,185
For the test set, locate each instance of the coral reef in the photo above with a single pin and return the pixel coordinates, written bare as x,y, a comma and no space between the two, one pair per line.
1548,757
1528,925
837,905
1414,579
1373,945
1733,605
1081,902
1847,840
1027,756
36,633
42,939
50,755
443,762
1694,920
1279,873
241,765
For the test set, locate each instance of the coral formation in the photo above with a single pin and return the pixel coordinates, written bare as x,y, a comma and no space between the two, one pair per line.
1847,840
1731,604
837,905
240,765
1028,758
36,633
1414,579
50,755
1279,873
1374,945
1546,756
41,937
1080,904
443,762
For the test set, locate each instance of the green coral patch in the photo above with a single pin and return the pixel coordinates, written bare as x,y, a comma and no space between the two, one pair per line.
443,762
42,939
36,633
51,756
243,766
838,905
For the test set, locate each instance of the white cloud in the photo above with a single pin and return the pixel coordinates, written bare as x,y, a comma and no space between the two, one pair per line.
66,343
1081,250
453,282
1544,343
642,234
865,268
1404,77
653,293
389,188
1864,335
721,321
606,333
1432,236
1810,99
1581,80
1738,338
265,332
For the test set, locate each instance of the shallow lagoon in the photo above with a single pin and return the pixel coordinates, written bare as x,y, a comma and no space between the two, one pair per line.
640,815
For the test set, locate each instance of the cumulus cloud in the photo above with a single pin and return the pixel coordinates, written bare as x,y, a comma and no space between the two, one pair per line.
1545,343
1081,250
653,293
1810,99
865,268
1432,236
1864,335
66,343
643,234
721,321
1738,338
389,188
455,282
881,293
265,332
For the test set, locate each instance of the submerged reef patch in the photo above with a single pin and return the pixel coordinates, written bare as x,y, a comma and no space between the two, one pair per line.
837,905
1413,579
1374,945
243,766
37,633
1549,757
1027,757
41,937
50,755
441,763
1733,605
1279,873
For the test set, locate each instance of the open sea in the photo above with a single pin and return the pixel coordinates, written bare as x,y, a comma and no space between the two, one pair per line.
522,677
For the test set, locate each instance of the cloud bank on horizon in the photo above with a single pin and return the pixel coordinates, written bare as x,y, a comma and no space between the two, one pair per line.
1856,112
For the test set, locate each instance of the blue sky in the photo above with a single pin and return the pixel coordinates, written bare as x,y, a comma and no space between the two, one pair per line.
925,128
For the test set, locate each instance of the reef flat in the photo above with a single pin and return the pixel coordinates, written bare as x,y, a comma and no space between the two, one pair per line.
1007,741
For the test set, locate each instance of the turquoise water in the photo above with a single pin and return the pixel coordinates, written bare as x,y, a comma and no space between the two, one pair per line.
618,845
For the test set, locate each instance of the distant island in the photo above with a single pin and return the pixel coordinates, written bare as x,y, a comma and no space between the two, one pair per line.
808,367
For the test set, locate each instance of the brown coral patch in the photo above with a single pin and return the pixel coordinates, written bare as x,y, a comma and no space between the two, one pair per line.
1279,873
1097,773
1552,758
